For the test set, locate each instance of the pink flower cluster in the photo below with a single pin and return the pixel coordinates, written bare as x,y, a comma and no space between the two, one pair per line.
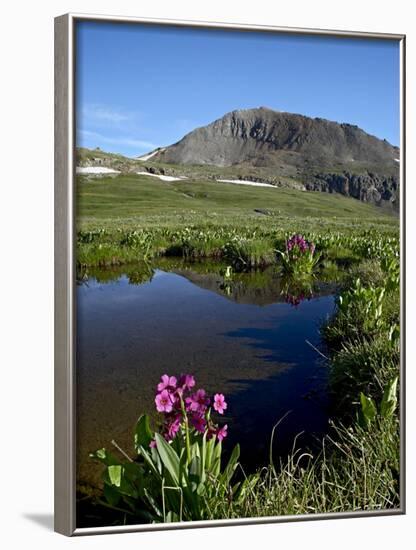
181,403
299,243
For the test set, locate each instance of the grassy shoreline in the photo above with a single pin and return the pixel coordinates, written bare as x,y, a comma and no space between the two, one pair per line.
250,247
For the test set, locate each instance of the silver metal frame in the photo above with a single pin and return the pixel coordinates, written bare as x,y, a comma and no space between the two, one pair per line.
65,330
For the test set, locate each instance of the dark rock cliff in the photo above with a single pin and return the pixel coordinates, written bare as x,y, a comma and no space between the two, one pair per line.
373,188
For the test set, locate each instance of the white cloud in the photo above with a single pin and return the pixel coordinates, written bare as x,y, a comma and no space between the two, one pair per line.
104,115
115,140
99,112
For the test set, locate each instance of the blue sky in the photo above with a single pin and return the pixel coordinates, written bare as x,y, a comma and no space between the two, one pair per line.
140,87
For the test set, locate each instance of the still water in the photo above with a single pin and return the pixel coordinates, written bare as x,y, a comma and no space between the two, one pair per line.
250,339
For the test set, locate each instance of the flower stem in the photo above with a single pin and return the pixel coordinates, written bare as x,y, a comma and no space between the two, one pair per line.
187,440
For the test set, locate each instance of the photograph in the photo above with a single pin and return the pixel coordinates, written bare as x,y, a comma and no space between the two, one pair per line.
237,308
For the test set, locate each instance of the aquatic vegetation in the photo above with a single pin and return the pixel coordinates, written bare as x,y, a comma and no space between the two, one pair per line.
300,257
105,254
90,236
364,365
193,243
369,272
139,240
343,255
243,247
366,302
364,334
363,312
369,412
246,253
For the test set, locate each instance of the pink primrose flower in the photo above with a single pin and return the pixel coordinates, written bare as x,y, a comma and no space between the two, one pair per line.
222,432
167,382
198,402
186,381
173,428
219,403
164,401
199,423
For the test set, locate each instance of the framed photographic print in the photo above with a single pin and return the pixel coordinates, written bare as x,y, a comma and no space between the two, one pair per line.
229,248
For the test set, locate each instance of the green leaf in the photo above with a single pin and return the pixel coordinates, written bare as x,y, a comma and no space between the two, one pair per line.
389,401
154,456
105,457
203,457
216,459
194,472
118,478
231,466
152,459
172,517
195,450
142,433
183,474
112,495
133,470
209,452
240,490
368,409
152,503
169,458
114,474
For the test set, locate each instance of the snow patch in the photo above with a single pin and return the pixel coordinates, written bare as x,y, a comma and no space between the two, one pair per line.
248,182
95,170
150,155
397,160
161,176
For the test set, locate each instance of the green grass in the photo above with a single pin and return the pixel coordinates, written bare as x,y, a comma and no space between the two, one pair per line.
362,366
143,201
355,469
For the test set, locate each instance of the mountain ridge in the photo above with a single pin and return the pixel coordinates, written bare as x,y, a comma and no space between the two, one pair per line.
243,135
